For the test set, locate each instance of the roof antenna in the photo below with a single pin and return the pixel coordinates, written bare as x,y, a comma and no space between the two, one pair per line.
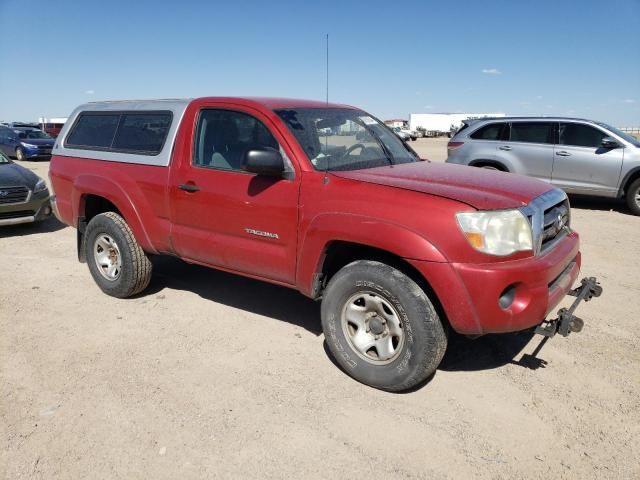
325,180
327,48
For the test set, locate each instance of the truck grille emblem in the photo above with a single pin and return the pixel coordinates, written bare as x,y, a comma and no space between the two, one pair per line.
3,193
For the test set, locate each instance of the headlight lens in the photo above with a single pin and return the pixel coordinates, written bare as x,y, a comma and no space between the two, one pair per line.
28,145
500,232
40,186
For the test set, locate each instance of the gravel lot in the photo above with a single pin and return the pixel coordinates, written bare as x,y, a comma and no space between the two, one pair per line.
209,375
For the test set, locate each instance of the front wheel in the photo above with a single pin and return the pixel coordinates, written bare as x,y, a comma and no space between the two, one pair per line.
20,154
381,327
117,263
633,197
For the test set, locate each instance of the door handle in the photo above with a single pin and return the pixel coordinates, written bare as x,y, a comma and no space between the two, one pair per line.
562,153
189,187
505,147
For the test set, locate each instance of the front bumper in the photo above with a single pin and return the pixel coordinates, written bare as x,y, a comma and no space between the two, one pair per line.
35,209
504,296
43,153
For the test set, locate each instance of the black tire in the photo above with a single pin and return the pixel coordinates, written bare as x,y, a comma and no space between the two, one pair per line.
20,154
135,271
424,339
491,166
632,196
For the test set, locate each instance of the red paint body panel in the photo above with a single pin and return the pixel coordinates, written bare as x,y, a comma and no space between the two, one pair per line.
481,188
408,210
469,293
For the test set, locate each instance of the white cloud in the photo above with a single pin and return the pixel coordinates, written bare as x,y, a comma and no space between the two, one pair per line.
539,97
629,100
90,92
491,71
524,104
428,107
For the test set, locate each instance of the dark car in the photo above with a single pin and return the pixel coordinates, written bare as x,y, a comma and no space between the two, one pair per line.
25,143
24,197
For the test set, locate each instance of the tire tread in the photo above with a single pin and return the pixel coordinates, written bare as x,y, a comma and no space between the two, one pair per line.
141,265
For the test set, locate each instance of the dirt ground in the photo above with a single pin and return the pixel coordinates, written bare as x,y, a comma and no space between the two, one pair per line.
209,375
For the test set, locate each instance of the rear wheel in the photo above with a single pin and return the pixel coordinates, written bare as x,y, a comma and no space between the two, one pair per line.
117,263
633,197
381,327
20,154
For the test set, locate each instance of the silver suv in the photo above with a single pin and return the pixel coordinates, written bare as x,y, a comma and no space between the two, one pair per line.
579,156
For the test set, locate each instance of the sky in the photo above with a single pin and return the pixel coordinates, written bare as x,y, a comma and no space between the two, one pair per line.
392,58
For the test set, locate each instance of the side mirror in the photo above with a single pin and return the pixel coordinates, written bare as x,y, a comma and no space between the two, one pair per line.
264,161
608,142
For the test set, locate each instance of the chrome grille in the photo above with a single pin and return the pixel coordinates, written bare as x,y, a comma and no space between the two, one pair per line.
556,222
550,218
13,195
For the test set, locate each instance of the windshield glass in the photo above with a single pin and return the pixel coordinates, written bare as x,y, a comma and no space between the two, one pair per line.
33,134
345,139
629,138
3,159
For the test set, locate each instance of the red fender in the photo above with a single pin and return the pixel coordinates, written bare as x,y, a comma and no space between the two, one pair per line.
390,237
101,186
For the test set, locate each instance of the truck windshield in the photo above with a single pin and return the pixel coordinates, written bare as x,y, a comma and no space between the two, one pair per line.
345,139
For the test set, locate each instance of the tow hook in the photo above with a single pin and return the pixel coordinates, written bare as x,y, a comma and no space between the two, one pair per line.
567,322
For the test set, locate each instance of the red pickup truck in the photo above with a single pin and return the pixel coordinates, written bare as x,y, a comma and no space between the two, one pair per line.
323,198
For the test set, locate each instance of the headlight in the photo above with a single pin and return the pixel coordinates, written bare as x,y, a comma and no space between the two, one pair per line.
28,145
501,232
40,186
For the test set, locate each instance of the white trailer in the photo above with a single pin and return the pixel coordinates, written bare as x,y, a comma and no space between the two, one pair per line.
444,122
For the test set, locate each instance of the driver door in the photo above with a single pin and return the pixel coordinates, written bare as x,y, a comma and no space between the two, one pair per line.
225,217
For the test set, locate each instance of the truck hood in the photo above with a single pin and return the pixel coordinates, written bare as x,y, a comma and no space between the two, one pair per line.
14,175
481,188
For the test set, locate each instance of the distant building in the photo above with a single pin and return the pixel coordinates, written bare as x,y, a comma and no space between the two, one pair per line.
444,122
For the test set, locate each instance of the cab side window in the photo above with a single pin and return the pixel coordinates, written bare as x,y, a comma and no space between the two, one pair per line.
578,135
223,137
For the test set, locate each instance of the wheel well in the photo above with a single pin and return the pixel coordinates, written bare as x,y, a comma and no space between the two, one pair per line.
339,254
91,205
95,205
489,163
632,178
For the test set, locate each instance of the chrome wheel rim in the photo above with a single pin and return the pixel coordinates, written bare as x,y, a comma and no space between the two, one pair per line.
373,327
106,254
19,154
637,198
